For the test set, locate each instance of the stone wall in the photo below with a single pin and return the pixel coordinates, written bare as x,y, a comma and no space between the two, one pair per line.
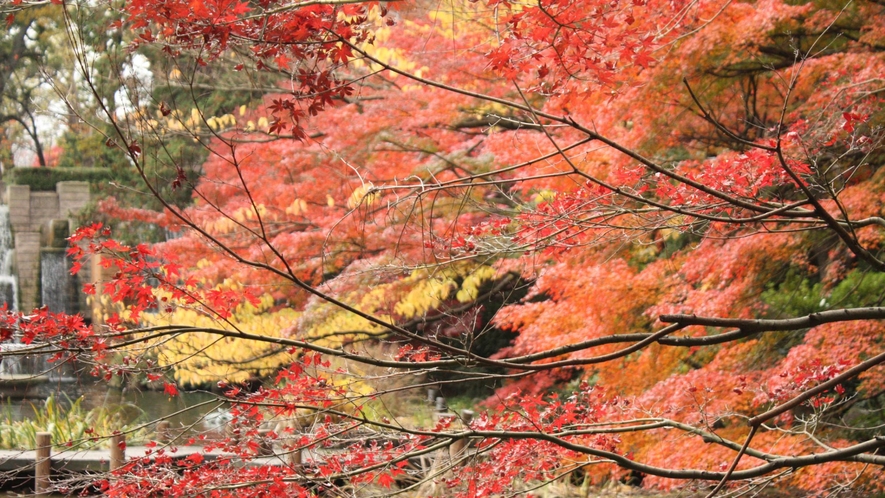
31,215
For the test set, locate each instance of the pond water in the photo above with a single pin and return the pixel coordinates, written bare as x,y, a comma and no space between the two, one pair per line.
23,401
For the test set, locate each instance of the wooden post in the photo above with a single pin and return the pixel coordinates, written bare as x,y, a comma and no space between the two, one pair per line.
440,410
163,431
466,417
233,432
294,427
265,445
295,458
456,450
118,451
43,465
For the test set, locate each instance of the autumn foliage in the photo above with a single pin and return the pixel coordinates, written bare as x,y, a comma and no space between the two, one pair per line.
651,231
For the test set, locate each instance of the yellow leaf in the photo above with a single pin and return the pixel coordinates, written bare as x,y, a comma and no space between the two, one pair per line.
363,194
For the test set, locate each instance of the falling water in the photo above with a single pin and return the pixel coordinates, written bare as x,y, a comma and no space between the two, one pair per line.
55,282
8,283
13,368
21,372
58,288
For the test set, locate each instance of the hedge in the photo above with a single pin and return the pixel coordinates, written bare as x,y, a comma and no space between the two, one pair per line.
43,179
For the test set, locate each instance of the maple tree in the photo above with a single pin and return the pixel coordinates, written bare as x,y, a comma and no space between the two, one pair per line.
654,227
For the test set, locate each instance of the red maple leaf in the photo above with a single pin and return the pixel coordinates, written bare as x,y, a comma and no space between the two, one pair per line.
170,389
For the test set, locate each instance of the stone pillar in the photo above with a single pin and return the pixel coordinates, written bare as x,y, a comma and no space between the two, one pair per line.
72,197
27,267
44,209
19,197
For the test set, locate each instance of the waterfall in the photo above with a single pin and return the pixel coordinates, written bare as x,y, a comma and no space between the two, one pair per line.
21,373
8,283
14,369
58,288
57,285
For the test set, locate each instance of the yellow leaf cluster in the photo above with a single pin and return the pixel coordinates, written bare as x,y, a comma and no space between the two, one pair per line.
298,207
470,286
228,224
222,122
422,291
364,194
263,125
426,294
201,357
334,327
177,121
544,196
103,306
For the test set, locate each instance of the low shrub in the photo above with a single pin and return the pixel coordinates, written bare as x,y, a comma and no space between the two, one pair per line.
70,424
